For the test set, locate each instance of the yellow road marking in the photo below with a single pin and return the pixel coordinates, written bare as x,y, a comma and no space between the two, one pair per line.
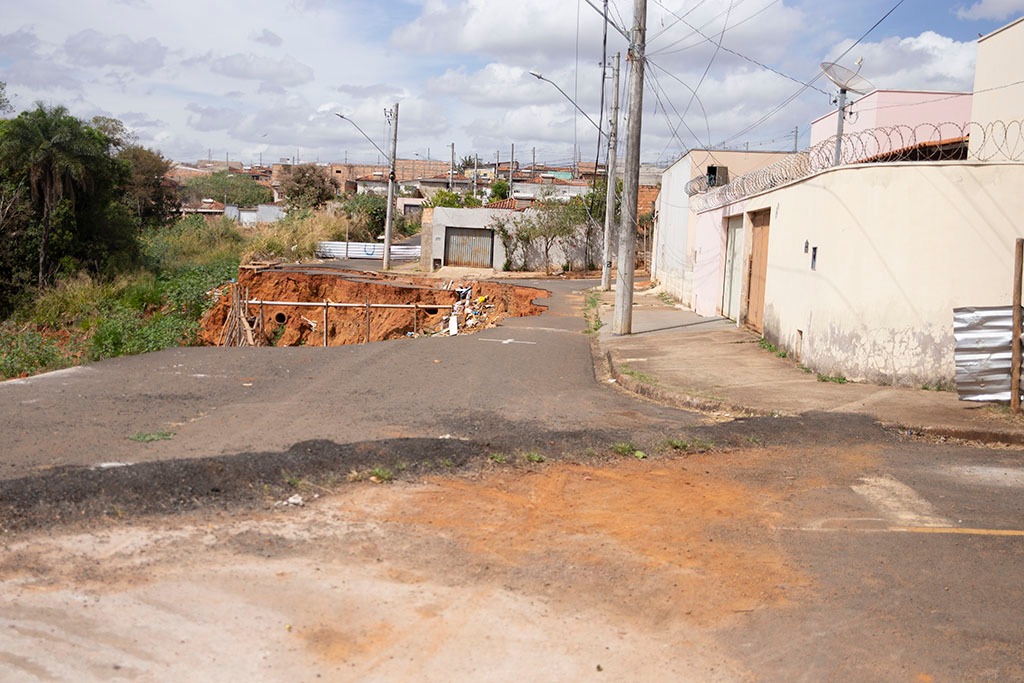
956,530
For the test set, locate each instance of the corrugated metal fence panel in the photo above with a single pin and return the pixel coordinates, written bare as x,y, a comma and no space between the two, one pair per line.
367,250
469,247
983,352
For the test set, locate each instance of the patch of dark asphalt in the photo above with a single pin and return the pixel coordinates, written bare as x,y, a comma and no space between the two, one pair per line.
74,495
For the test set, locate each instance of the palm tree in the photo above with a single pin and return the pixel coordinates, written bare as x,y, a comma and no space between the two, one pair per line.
55,153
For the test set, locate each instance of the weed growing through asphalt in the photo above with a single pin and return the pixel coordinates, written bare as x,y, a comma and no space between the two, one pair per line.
667,299
146,437
379,475
689,445
498,458
835,379
804,368
446,462
592,300
533,456
628,448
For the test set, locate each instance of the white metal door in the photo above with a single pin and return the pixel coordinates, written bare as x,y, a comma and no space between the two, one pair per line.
733,280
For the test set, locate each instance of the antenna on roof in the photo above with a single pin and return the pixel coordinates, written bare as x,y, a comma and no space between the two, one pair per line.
847,81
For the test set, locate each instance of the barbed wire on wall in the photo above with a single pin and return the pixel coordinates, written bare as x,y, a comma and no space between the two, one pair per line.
994,141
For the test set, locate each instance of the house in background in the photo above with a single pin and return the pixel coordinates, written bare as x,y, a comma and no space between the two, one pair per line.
854,269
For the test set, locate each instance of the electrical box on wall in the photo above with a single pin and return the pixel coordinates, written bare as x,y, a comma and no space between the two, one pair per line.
718,176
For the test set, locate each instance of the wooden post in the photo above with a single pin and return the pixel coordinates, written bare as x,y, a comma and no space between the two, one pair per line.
1018,268
325,323
416,319
367,319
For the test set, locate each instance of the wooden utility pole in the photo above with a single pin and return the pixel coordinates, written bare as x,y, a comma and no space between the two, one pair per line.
1018,269
610,181
390,216
622,322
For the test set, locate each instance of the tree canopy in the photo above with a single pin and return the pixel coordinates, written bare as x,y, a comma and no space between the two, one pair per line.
73,195
306,186
227,187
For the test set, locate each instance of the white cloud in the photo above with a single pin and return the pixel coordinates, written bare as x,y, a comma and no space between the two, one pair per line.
91,48
999,10
268,37
285,71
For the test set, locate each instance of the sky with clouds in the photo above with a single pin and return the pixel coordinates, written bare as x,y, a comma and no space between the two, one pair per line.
250,79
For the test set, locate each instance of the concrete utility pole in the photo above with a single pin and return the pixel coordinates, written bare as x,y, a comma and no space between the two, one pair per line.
610,181
622,322
390,216
511,164
451,169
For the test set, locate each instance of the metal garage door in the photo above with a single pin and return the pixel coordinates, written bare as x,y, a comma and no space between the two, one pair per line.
471,247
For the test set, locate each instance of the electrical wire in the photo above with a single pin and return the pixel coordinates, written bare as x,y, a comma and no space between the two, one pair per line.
810,83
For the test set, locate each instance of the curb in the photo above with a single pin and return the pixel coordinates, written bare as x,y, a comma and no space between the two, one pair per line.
605,370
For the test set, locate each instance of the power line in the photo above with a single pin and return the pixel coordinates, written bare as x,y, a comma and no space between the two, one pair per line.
810,83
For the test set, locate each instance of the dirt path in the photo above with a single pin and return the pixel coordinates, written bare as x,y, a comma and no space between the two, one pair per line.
565,570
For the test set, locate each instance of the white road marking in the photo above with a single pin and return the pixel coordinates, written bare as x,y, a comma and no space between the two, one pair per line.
899,503
507,341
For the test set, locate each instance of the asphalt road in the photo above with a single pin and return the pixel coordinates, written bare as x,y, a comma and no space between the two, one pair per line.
525,383
878,557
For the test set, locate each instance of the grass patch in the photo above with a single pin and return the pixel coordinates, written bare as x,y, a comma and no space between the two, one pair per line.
637,375
533,456
591,305
627,448
835,379
497,458
380,475
689,445
771,348
666,298
147,437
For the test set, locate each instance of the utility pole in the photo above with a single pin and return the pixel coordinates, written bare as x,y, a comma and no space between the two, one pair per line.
451,169
392,115
623,321
610,181
511,164
476,172
533,166
796,139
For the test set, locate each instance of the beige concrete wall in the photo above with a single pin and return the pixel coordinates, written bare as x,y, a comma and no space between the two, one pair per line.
1000,55
899,246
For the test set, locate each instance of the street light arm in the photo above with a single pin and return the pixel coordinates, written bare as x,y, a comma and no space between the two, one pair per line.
539,77
382,152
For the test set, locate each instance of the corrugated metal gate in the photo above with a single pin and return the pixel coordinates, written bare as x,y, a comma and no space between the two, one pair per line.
470,247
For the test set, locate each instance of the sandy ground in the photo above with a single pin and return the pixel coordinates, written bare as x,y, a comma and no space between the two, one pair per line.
567,571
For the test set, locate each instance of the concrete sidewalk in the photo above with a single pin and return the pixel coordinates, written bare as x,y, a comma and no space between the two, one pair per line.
677,357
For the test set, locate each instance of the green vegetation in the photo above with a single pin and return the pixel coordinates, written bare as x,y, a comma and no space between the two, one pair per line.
688,445
592,302
146,437
771,348
637,375
227,187
533,456
307,186
497,458
628,449
836,379
379,475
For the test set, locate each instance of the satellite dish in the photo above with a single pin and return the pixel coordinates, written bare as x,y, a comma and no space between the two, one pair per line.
846,79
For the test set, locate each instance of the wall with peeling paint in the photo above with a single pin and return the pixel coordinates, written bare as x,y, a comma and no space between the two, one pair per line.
898,247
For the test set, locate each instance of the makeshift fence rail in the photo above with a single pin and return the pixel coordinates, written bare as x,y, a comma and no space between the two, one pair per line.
240,320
